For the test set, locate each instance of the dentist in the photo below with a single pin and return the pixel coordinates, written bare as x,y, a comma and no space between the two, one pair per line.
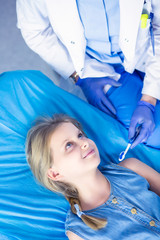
93,42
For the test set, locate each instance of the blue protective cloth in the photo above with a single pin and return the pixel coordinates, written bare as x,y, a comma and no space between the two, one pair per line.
128,191
101,20
27,210
125,99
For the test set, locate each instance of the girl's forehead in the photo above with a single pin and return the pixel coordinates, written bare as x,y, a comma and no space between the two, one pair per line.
64,130
67,126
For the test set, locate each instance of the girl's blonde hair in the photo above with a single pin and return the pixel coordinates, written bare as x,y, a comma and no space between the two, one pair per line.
40,160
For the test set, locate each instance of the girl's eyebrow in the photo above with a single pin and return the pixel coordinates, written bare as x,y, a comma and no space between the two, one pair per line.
67,139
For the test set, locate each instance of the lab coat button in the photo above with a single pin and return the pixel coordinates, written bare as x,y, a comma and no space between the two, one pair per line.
72,42
126,40
152,223
114,200
133,211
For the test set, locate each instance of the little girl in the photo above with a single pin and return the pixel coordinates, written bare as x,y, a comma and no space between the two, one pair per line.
114,202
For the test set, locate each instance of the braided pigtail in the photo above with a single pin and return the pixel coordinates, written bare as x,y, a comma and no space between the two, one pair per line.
93,222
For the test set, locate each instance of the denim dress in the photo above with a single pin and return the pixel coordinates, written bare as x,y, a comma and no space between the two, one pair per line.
132,210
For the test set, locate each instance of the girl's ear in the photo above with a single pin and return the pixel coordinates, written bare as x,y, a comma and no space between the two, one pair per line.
55,176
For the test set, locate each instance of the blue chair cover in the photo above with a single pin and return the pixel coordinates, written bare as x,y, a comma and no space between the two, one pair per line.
27,210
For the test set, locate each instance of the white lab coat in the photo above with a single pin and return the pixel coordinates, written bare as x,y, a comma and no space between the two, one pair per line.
53,30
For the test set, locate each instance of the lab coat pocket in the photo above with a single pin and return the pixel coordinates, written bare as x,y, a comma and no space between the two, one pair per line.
144,29
143,37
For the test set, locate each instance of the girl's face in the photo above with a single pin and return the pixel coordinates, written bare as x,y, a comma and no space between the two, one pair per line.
74,155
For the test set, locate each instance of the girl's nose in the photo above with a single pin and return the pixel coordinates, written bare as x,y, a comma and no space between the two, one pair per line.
84,145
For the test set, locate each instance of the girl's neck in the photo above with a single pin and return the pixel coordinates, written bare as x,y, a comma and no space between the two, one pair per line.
94,191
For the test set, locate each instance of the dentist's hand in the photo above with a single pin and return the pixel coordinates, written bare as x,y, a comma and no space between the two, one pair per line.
93,89
144,116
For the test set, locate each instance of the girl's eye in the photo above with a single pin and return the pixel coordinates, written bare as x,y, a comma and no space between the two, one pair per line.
80,135
68,145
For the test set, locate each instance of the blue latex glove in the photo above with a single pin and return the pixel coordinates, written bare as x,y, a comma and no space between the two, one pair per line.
143,116
93,89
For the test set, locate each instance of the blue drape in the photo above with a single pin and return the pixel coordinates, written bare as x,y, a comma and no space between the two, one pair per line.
27,210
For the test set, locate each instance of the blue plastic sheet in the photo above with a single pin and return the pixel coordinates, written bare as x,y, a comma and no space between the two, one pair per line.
125,99
27,210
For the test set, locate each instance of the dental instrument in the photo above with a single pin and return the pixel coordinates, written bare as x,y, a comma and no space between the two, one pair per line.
123,153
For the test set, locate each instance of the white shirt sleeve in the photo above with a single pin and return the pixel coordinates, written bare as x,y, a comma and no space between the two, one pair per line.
39,35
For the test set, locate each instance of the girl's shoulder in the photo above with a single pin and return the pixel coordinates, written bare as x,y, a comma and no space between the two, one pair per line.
123,171
114,168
